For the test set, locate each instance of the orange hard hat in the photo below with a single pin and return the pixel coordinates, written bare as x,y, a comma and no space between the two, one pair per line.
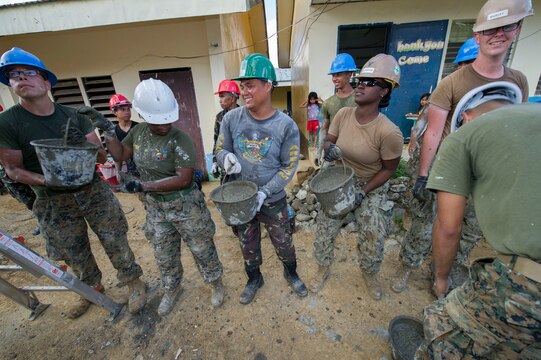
118,100
228,86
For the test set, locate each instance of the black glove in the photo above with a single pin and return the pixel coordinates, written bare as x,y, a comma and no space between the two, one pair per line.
332,153
419,189
97,118
359,198
74,136
132,186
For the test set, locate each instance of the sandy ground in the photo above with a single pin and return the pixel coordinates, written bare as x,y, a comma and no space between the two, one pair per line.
341,322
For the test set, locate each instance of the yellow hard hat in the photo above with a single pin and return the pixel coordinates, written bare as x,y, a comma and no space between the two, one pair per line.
497,13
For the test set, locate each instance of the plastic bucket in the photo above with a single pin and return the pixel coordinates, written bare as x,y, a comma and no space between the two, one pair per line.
66,166
334,188
406,335
236,201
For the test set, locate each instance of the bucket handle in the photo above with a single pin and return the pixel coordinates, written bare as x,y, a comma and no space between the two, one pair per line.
66,133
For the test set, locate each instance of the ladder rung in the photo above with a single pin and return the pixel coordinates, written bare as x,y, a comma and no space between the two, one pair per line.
11,268
44,288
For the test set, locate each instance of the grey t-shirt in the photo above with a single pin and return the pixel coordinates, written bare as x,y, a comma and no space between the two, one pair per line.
268,150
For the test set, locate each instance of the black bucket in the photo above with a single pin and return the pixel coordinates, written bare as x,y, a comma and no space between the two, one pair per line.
334,188
66,166
236,201
406,335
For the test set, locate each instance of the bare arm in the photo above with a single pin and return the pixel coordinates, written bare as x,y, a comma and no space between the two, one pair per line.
325,124
329,139
12,160
446,237
432,137
384,174
304,104
119,151
181,180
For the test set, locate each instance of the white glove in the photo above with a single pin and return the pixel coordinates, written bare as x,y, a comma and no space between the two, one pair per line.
214,169
261,196
231,164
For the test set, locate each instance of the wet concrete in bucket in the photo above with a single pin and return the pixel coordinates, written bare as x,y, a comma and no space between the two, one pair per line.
406,337
331,182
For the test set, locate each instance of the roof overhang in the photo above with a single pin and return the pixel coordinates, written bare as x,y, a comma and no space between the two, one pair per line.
284,18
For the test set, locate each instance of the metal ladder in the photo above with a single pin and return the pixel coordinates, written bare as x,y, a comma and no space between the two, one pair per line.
29,261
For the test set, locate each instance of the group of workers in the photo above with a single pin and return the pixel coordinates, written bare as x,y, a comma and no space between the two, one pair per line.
482,181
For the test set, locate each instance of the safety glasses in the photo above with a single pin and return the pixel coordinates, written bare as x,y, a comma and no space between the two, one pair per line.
506,28
368,82
13,74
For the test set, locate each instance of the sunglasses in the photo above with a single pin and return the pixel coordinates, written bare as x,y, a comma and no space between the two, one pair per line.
506,28
370,83
13,74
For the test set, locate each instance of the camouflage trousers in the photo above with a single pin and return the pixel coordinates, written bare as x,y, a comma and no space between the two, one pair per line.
417,243
373,218
63,222
184,218
275,218
494,315
22,192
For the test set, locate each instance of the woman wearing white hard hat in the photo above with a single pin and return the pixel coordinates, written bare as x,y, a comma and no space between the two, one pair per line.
176,209
364,139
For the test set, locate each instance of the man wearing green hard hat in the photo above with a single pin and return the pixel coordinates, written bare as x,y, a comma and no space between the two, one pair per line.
260,144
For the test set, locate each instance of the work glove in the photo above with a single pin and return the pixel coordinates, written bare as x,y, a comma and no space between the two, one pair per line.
98,120
419,189
261,196
332,153
215,171
132,186
231,164
359,198
74,136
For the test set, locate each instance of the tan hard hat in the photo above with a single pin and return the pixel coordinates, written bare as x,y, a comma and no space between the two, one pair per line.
381,66
496,13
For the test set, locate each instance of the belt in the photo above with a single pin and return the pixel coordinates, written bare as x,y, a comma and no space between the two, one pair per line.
524,266
43,192
172,195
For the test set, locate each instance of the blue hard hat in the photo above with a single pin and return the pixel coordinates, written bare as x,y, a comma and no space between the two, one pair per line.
343,63
468,51
17,56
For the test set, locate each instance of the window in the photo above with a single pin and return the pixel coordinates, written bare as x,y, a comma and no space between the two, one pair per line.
538,88
99,90
363,41
67,92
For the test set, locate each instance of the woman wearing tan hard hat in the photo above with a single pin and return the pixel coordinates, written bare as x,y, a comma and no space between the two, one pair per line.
367,141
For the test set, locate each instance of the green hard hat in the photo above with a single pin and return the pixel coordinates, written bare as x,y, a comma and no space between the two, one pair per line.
256,66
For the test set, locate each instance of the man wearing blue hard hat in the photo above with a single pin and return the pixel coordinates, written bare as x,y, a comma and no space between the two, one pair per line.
63,213
467,53
497,26
342,68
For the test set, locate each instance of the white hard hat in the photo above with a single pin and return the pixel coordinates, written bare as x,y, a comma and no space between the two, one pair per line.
498,90
155,102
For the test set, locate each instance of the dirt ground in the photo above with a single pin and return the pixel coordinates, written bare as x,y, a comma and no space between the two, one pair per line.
341,322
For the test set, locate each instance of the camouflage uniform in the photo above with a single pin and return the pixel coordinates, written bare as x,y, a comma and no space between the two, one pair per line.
373,219
63,221
417,243
276,219
463,326
183,218
22,192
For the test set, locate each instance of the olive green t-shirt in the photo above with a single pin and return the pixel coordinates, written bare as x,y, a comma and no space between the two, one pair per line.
497,159
452,88
334,103
157,157
18,127
365,146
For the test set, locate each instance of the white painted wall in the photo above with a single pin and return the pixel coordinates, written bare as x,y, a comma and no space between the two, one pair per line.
322,37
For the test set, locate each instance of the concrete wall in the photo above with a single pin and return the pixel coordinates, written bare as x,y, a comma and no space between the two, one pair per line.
322,36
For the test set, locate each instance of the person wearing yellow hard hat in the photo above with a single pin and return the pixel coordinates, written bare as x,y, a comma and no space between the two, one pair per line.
366,140
497,26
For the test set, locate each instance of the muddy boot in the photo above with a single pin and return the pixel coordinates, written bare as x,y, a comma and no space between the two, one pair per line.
217,297
399,281
255,281
82,305
36,231
290,274
321,276
168,300
138,296
373,285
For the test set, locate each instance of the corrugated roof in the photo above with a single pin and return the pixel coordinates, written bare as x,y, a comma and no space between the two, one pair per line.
4,3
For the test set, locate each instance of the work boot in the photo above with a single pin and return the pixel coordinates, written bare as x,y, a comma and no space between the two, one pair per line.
138,296
82,305
169,299
399,281
321,276
255,281
217,297
290,274
373,285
